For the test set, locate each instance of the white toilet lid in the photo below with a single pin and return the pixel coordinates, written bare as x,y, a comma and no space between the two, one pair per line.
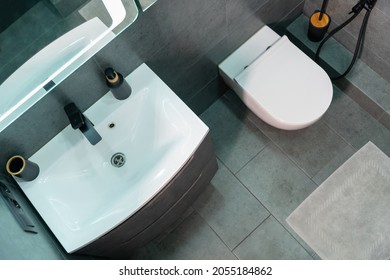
287,84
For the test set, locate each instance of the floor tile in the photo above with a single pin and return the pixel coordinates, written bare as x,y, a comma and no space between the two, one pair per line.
355,125
271,241
331,166
191,240
276,181
228,207
236,140
310,148
19,245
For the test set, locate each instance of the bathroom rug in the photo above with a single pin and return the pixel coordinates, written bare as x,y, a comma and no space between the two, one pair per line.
348,215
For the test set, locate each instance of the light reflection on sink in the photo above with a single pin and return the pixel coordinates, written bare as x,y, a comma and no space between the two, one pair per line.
80,194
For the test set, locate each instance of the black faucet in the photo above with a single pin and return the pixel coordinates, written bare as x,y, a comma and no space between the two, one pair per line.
79,121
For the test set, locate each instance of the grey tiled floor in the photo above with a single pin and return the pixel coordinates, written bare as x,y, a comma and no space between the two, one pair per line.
264,174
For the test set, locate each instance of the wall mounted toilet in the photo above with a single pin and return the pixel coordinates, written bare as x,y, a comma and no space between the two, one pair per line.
277,81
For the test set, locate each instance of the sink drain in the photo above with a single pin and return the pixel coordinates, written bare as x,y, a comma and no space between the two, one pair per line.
118,160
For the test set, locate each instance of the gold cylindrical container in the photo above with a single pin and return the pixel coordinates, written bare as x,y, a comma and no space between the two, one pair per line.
23,168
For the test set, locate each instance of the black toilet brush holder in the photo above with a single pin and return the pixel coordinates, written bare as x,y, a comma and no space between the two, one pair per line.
319,23
318,27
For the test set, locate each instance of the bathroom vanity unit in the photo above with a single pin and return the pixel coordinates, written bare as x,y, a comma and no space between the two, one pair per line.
154,157
159,213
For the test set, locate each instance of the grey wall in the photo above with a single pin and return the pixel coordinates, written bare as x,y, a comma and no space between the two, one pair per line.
181,40
11,11
376,51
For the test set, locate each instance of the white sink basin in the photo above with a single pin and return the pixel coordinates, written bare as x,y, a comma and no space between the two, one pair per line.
80,194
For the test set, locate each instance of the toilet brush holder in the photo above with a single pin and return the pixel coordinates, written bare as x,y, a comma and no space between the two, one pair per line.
318,26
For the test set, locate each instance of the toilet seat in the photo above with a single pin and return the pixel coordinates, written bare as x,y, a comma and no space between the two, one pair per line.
284,87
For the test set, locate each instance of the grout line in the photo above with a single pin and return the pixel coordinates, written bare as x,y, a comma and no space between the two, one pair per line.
273,142
245,187
250,192
383,114
201,89
252,158
285,154
224,164
270,215
219,237
343,138
310,254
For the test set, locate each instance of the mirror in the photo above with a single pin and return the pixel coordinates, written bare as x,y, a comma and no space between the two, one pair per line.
43,41
145,4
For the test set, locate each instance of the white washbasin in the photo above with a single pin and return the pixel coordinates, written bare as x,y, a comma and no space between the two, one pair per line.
80,194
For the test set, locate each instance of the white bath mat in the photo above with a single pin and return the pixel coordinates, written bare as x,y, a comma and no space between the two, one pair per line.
348,215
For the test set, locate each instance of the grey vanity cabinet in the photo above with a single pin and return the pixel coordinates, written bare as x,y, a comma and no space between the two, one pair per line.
161,211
